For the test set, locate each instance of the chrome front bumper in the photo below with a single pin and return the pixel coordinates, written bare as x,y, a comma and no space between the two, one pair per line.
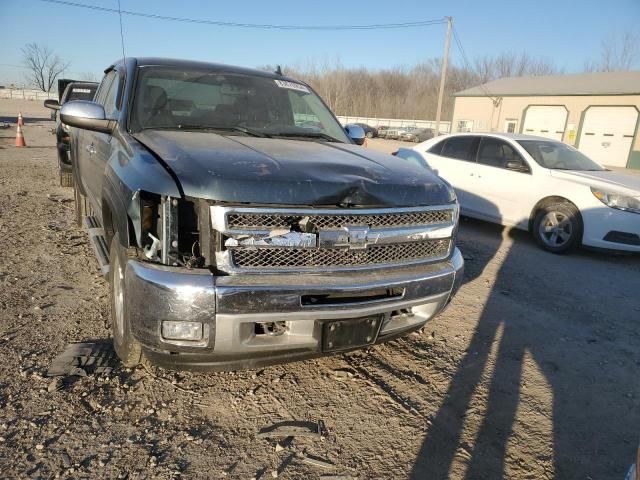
230,306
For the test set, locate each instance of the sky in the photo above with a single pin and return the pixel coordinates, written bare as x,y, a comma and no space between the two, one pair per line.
567,33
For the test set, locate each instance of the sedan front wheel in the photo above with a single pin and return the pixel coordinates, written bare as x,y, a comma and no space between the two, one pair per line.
558,227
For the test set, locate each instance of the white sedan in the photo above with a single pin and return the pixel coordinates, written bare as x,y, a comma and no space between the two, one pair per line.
547,187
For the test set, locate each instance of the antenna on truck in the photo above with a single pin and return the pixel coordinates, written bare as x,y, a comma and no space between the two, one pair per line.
121,34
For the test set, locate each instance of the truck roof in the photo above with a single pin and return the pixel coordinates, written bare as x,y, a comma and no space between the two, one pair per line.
214,67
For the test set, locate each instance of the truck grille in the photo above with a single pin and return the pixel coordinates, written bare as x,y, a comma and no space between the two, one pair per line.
325,239
268,258
269,221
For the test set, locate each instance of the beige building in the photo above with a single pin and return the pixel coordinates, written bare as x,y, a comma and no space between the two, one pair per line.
596,112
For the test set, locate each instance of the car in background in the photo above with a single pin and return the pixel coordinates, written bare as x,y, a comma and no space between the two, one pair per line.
369,131
418,135
70,90
547,187
382,131
395,133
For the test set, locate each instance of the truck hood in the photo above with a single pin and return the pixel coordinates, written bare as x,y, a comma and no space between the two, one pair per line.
613,181
291,172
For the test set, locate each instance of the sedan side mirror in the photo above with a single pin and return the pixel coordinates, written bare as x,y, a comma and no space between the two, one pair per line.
517,166
52,104
355,133
86,115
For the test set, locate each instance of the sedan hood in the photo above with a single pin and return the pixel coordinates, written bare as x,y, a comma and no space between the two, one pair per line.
627,183
291,172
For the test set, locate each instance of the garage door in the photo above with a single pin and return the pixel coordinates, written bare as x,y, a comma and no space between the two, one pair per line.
607,134
545,121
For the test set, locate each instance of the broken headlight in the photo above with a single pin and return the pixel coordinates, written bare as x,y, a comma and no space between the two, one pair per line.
169,231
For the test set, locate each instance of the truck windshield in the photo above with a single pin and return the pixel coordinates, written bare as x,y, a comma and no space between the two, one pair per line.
232,103
81,92
558,156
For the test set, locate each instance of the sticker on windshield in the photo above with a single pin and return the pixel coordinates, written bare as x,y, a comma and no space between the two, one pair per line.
291,86
81,90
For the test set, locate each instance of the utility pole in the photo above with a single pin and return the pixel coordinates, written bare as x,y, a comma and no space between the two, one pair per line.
443,74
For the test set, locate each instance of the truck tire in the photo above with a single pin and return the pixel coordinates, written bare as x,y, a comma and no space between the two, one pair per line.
557,227
126,346
64,170
80,205
66,179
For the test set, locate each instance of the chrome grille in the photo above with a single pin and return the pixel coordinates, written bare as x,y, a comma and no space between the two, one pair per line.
271,220
274,258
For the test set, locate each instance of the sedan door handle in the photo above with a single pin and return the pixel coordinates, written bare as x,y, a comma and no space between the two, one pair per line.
91,149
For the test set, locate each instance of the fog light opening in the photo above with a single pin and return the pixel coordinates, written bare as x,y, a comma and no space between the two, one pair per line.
404,311
182,330
273,329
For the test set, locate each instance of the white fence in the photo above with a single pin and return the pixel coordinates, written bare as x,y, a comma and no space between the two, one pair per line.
27,94
445,127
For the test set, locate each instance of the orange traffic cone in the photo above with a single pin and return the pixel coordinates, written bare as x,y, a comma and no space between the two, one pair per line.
20,120
20,137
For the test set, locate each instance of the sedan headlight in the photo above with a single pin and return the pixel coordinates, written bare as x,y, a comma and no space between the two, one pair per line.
617,200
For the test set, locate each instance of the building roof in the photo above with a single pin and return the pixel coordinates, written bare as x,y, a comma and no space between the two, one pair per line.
600,83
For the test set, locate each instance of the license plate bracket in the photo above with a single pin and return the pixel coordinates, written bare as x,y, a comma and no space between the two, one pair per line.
350,333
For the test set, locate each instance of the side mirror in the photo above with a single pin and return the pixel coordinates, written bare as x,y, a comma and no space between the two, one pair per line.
52,104
86,115
517,166
355,133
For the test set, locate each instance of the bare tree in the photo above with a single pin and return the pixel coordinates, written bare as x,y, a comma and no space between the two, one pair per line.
412,93
618,53
44,66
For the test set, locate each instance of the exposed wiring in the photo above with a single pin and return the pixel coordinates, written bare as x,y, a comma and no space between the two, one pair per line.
379,26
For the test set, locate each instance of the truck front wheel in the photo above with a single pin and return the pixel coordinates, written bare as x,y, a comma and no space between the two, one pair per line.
126,346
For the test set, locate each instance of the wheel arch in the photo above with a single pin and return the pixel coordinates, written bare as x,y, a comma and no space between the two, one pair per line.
116,220
550,200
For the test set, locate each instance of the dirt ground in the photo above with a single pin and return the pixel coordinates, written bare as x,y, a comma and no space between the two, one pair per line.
532,372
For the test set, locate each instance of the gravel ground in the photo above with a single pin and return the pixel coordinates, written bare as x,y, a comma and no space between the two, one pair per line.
532,372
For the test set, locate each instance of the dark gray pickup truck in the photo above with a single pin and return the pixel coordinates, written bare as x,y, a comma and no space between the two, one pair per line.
240,224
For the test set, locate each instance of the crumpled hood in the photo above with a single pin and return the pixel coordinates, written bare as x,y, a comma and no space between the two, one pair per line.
614,181
291,172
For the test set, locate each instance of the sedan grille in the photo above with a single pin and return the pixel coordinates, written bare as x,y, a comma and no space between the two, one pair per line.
274,258
269,221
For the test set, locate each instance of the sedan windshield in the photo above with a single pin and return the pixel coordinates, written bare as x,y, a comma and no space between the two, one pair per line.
230,104
558,156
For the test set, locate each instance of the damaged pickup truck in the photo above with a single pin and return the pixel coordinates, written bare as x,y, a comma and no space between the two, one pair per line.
240,224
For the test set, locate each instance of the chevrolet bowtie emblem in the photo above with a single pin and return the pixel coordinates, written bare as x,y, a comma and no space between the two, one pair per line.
357,237
352,237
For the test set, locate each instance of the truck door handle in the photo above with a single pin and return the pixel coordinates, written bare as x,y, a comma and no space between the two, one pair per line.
91,149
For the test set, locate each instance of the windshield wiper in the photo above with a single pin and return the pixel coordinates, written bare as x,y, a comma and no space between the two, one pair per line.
248,131
321,135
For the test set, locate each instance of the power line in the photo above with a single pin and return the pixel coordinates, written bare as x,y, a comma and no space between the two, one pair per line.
467,64
379,26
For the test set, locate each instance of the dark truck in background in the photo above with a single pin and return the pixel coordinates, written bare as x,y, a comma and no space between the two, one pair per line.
68,90
240,224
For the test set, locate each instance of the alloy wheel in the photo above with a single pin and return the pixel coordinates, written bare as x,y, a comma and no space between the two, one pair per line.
555,229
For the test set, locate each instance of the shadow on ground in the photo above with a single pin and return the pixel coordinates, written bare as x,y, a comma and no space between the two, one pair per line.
570,351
